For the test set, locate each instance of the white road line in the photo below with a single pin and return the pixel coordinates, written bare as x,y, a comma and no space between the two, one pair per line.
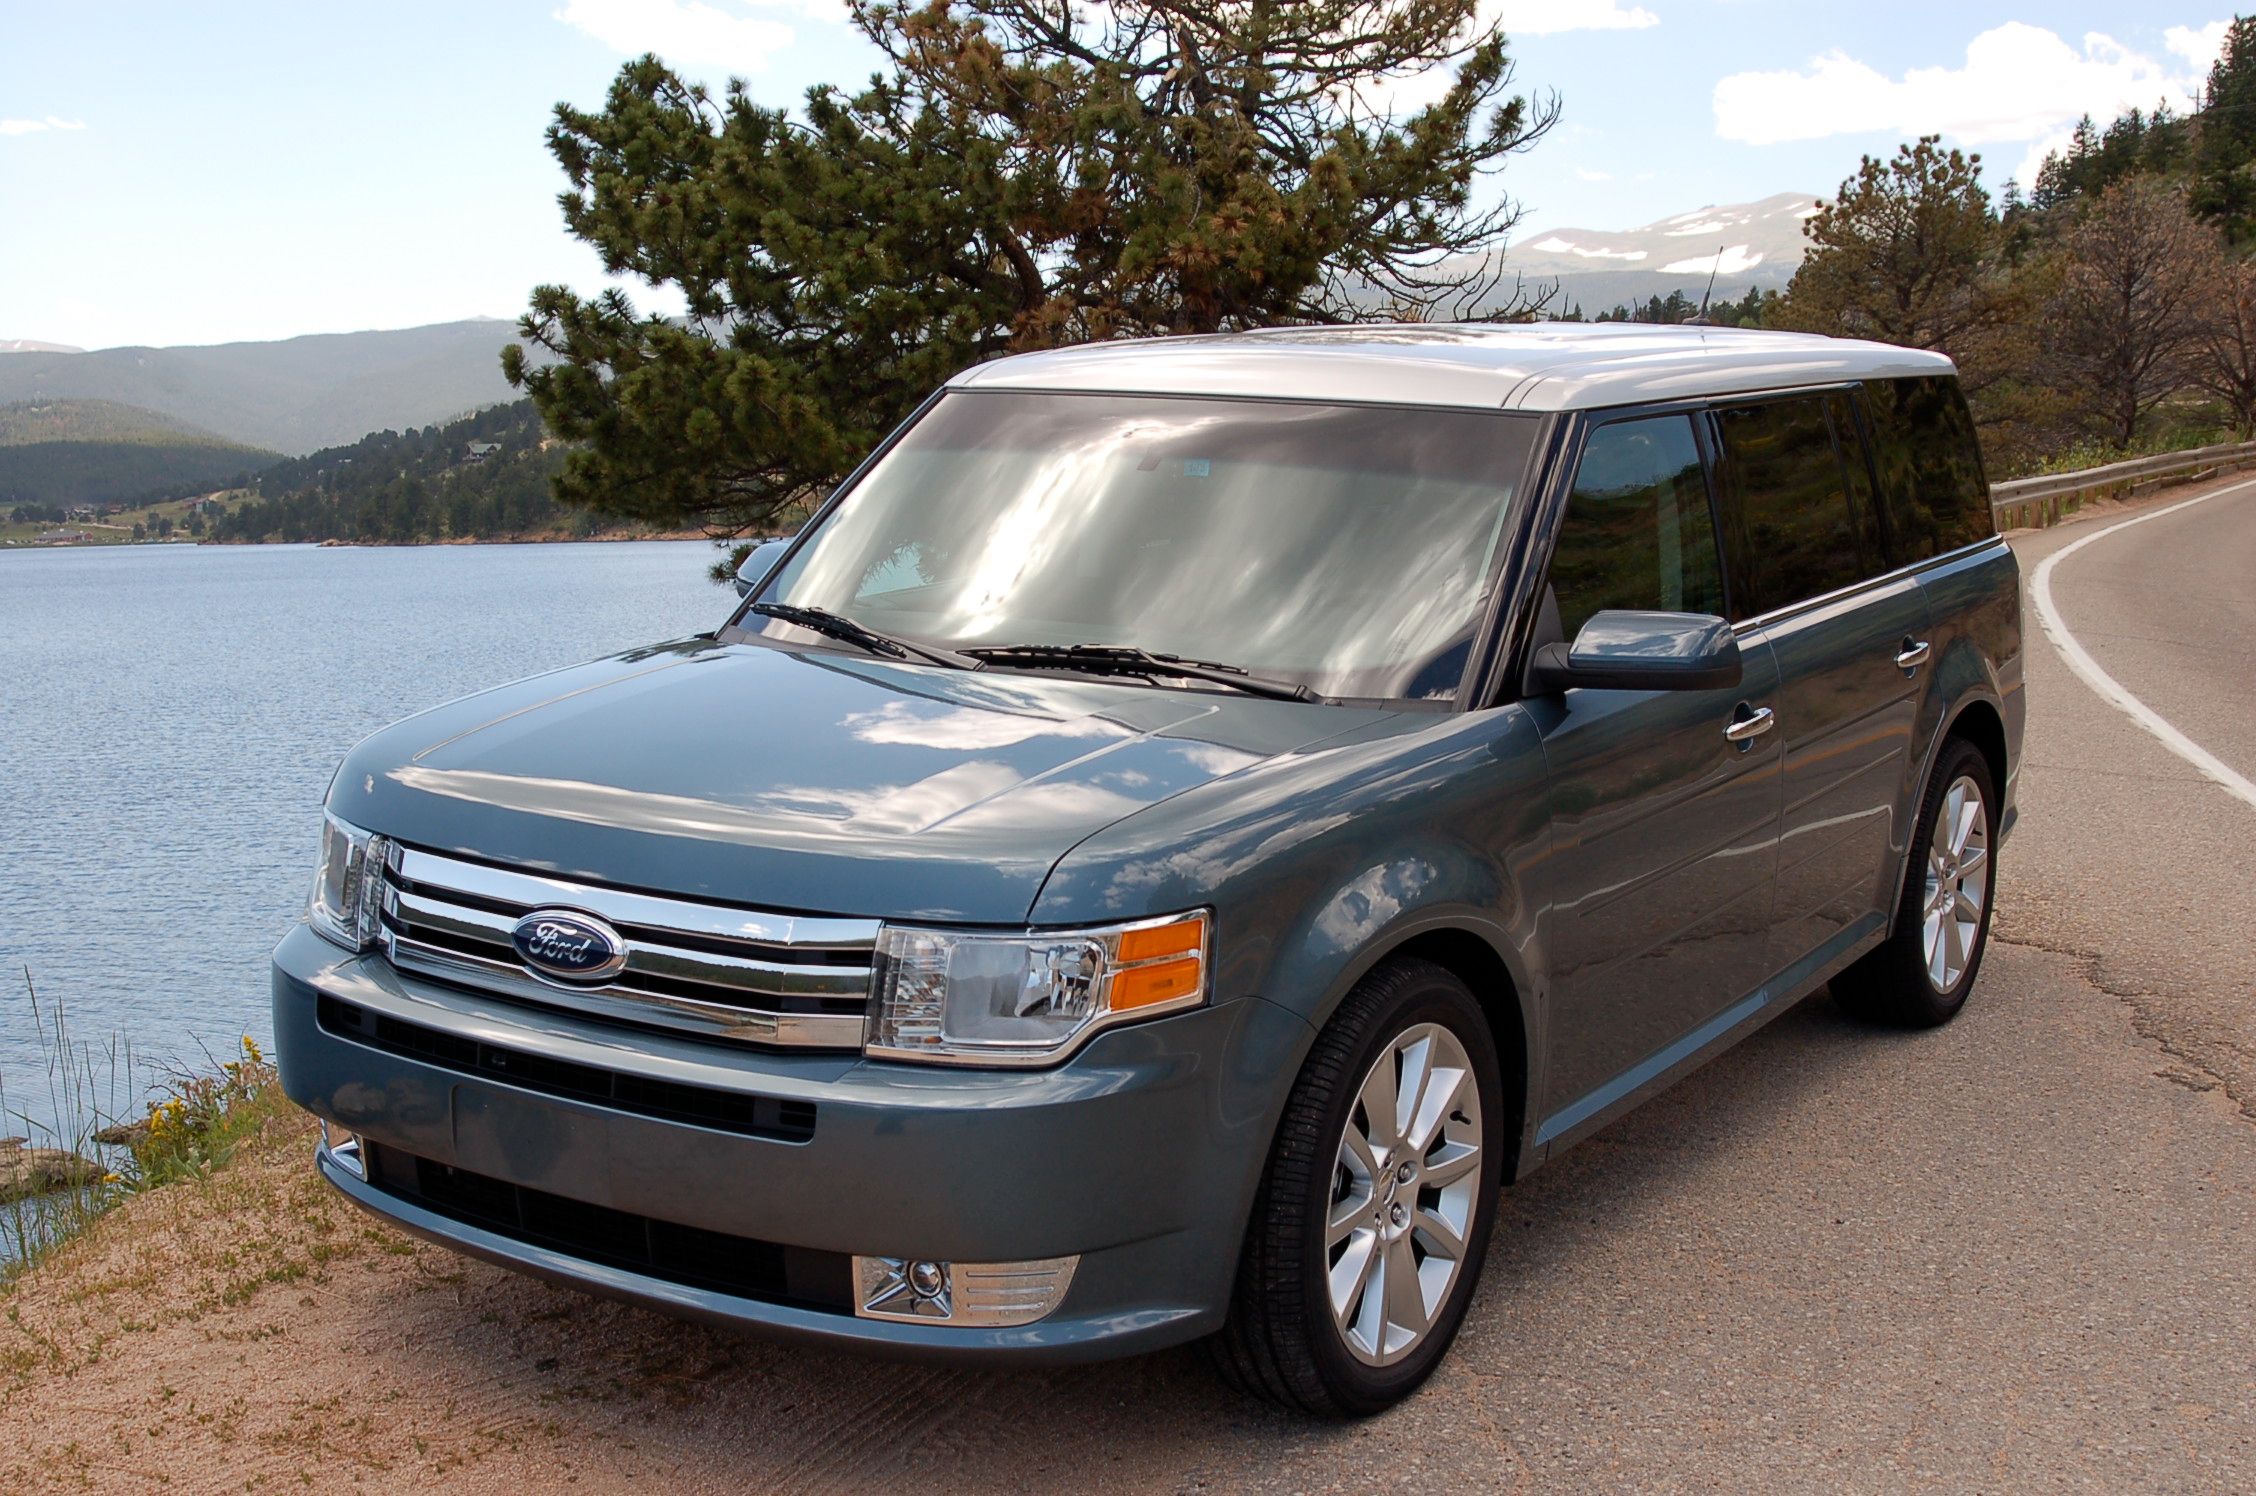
2110,689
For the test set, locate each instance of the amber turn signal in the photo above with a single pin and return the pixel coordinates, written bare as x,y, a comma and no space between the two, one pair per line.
1185,937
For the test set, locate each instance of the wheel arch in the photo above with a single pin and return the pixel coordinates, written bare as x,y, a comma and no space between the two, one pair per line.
1469,955
1974,718
1979,722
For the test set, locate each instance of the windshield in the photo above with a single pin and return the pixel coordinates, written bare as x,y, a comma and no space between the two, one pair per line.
1347,548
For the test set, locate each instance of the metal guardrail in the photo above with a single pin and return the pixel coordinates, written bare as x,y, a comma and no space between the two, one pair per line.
2032,503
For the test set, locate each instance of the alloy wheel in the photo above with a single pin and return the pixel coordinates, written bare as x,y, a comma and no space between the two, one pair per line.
1958,882
1404,1188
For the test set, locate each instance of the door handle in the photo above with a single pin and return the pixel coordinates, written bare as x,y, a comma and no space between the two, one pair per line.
1749,723
1913,654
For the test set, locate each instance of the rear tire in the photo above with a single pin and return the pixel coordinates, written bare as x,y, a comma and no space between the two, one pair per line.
1368,1231
1919,976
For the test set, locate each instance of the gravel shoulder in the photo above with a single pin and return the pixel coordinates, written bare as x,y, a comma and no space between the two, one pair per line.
2009,1254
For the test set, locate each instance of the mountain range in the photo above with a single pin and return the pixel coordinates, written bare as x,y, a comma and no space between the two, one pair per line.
330,389
1745,245
292,396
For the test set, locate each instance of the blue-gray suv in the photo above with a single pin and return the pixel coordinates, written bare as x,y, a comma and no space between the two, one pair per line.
1176,833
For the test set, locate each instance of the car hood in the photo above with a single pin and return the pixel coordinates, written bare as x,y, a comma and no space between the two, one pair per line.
811,781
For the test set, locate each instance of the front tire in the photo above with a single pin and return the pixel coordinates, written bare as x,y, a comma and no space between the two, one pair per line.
1371,1222
1919,977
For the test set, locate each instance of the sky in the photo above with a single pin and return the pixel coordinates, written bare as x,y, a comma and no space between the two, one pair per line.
233,171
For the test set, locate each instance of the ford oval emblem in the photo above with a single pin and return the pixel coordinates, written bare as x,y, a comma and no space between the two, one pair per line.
568,946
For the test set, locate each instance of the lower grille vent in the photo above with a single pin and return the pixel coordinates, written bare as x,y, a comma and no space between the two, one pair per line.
688,1255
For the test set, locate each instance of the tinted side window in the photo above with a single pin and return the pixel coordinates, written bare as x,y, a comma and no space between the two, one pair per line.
1856,467
1930,466
1796,532
1637,532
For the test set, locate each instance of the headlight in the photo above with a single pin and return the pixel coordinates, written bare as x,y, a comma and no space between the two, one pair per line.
1026,999
348,886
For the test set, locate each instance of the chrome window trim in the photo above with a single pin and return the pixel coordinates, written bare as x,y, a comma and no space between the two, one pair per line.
736,994
1910,569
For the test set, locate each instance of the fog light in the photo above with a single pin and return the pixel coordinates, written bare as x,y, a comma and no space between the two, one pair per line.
960,1293
343,1149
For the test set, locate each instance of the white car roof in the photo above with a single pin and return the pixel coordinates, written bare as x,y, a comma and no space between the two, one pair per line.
1537,366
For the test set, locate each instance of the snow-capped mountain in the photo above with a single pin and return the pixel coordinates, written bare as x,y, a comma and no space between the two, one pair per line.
33,345
1744,244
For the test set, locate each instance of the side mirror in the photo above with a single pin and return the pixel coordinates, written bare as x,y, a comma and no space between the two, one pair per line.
757,563
1621,650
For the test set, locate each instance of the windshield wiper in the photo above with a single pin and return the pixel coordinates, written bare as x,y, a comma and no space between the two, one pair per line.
838,626
1124,659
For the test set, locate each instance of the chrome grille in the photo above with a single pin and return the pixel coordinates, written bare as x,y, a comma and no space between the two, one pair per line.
707,969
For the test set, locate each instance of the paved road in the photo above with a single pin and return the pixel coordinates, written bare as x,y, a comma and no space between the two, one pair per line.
2017,1253
2132,860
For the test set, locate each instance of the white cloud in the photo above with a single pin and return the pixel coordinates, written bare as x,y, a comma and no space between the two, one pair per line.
34,126
691,33
2020,84
1407,94
2199,45
1588,175
1544,17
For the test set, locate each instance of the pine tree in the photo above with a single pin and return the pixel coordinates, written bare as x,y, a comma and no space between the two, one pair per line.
2062,176
1908,253
1021,175
2224,160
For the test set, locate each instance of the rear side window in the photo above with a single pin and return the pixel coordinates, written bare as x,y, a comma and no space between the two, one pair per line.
1930,466
1637,532
1856,467
1798,530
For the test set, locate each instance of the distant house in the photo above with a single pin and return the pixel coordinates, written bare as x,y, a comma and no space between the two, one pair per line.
480,451
205,504
63,537
80,513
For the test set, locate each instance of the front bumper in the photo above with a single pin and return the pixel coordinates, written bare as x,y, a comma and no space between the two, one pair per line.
1140,1155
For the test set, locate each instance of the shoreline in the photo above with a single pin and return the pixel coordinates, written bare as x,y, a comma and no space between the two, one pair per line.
608,538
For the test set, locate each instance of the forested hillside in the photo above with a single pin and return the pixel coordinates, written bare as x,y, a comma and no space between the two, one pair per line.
485,476
292,396
56,454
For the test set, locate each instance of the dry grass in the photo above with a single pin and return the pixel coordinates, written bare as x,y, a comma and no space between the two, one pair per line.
250,1330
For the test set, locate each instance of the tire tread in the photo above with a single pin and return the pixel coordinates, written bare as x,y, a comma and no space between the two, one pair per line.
1263,1346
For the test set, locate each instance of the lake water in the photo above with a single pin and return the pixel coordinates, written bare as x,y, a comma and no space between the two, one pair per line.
169,719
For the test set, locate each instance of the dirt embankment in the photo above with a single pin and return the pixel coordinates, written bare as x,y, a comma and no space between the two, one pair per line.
254,1331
